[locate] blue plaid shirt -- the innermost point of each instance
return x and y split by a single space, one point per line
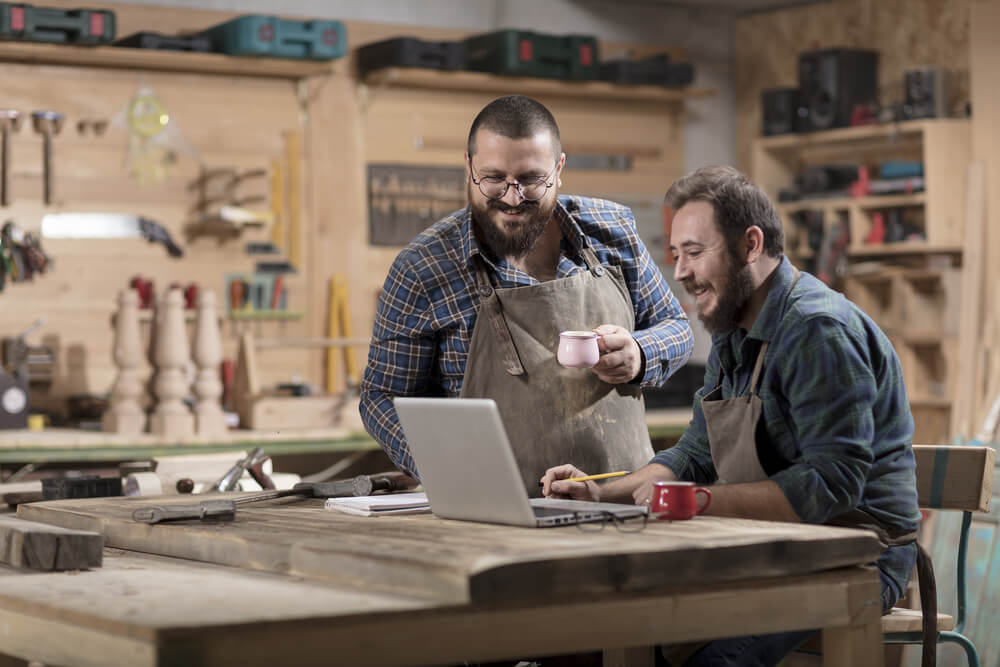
836 429
428 307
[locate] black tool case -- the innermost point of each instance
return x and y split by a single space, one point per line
157 42
19 21
653 71
410 52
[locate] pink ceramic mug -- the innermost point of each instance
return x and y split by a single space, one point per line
578 349
677 500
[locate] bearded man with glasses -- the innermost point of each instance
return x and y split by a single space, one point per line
473 307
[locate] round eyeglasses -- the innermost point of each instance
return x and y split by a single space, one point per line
588 522
530 189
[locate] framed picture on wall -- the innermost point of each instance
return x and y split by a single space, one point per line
405 199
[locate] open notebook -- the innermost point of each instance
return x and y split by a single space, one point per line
468 470
390 503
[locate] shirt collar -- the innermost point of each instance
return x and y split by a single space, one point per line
769 318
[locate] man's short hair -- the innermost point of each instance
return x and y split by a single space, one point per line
738 204
515 117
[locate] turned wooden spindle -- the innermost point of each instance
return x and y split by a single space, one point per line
207 353
125 414
171 418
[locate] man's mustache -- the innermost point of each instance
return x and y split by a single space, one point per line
523 207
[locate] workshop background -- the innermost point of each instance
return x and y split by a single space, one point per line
279 164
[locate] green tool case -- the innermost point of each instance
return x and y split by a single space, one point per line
525 53
28 23
256 35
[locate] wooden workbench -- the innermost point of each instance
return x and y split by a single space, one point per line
74 445
289 581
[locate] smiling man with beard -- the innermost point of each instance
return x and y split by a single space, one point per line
803 415
473 307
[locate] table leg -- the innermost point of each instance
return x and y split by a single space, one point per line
860 641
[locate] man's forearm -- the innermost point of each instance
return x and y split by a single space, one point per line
622 490
755 500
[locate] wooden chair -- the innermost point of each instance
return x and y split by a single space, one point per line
948 478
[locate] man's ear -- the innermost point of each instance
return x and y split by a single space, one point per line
468 166
754 240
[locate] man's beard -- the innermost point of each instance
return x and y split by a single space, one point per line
731 298
509 240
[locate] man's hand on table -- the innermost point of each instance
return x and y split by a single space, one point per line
553 487
636 487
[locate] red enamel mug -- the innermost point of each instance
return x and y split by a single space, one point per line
677 500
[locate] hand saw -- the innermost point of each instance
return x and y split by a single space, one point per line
107 226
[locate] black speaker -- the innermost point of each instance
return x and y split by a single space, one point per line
833 82
781 108
925 92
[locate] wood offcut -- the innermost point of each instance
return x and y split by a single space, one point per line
38 546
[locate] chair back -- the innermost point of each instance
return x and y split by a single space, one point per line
954 477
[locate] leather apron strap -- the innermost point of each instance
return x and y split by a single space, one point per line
731 424
927 584
491 308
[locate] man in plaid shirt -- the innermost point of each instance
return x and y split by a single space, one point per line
473 307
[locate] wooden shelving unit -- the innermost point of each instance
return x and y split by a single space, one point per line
154 60
911 129
918 308
414 77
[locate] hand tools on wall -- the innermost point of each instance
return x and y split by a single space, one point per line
225 510
10 121
107 226
48 124
293 160
21 255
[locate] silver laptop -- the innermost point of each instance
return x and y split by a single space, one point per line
468 469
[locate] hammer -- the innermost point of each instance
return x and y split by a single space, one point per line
48 124
10 121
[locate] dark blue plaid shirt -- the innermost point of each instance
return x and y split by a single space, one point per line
836 429
427 310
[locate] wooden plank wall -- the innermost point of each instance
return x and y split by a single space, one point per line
905 32
239 121
985 52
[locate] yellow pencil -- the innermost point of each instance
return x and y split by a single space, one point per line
603 475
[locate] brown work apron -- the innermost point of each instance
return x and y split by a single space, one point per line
732 426
556 415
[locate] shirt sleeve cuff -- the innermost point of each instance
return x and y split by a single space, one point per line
646 348
675 459
802 501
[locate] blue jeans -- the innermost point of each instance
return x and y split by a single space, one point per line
769 650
